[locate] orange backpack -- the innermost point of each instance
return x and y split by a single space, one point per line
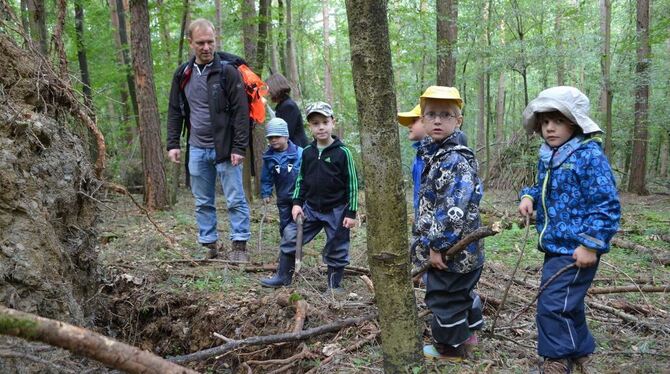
255 89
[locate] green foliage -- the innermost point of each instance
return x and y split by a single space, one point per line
11 325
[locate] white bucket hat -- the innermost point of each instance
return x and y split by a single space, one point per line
570 101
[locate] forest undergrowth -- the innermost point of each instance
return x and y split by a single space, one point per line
165 298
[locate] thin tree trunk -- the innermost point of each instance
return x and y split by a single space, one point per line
605 63
123 88
182 32
217 25
272 38
637 181
327 73
292 64
25 16
155 184
81 54
481 114
125 55
447 36
560 65
262 42
57 38
385 202
86 343
249 30
38 26
281 39
664 150
500 111
164 32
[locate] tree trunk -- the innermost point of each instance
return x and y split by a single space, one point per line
129 132
272 38
57 38
664 150
481 115
217 25
605 63
123 37
25 16
385 201
155 183
38 26
83 342
291 63
447 36
327 72
637 181
249 30
560 65
182 32
262 42
281 39
81 54
500 111
164 32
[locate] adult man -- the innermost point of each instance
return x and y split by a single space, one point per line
217 123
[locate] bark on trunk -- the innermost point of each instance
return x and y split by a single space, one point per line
123 88
155 184
281 39
83 342
38 26
125 56
637 181
560 65
263 25
182 32
385 201
164 32
447 35
217 25
249 30
605 63
481 115
81 54
500 111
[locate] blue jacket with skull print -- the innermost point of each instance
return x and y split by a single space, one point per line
448 204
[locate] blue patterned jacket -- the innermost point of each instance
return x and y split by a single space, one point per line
575 198
448 204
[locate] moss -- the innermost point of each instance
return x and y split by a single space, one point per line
294 297
11 325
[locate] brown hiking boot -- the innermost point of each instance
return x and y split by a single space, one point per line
583 364
555 366
212 250
239 252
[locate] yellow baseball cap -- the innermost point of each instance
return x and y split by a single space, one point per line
407 118
441 93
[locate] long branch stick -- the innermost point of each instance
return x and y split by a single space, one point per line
478 234
270 339
634 288
84 342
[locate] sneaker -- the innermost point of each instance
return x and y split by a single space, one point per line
555 366
583 364
443 352
470 345
239 252
212 250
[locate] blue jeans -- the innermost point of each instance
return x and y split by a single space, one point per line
204 170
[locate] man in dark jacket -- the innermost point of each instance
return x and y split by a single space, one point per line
208 99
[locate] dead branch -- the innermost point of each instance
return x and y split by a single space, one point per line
370 337
271 339
300 315
304 353
627 317
84 342
634 288
123 191
622 243
368 283
478 234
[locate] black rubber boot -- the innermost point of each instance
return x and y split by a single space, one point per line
284 274
335 276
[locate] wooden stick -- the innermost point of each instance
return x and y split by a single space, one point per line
370 337
368 283
478 234
270 339
84 342
300 315
634 288
627 317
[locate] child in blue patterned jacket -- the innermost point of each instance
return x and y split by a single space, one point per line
281 167
578 212
449 199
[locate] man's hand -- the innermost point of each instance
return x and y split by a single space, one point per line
174 155
349 223
437 260
584 257
236 159
296 211
526 207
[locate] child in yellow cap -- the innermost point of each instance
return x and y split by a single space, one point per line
412 120
449 199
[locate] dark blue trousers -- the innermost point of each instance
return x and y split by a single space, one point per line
336 251
451 298
561 320
285 216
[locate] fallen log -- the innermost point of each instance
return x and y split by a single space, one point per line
84 342
627 317
478 234
270 339
658 256
633 288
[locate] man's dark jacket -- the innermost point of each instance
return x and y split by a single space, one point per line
228 107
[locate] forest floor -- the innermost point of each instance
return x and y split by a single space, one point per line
165 299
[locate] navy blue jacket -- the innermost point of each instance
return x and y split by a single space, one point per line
280 169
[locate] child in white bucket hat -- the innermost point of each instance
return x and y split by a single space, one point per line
578 212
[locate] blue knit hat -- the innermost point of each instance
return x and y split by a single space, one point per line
276 127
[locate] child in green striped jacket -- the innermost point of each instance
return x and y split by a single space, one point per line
326 195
